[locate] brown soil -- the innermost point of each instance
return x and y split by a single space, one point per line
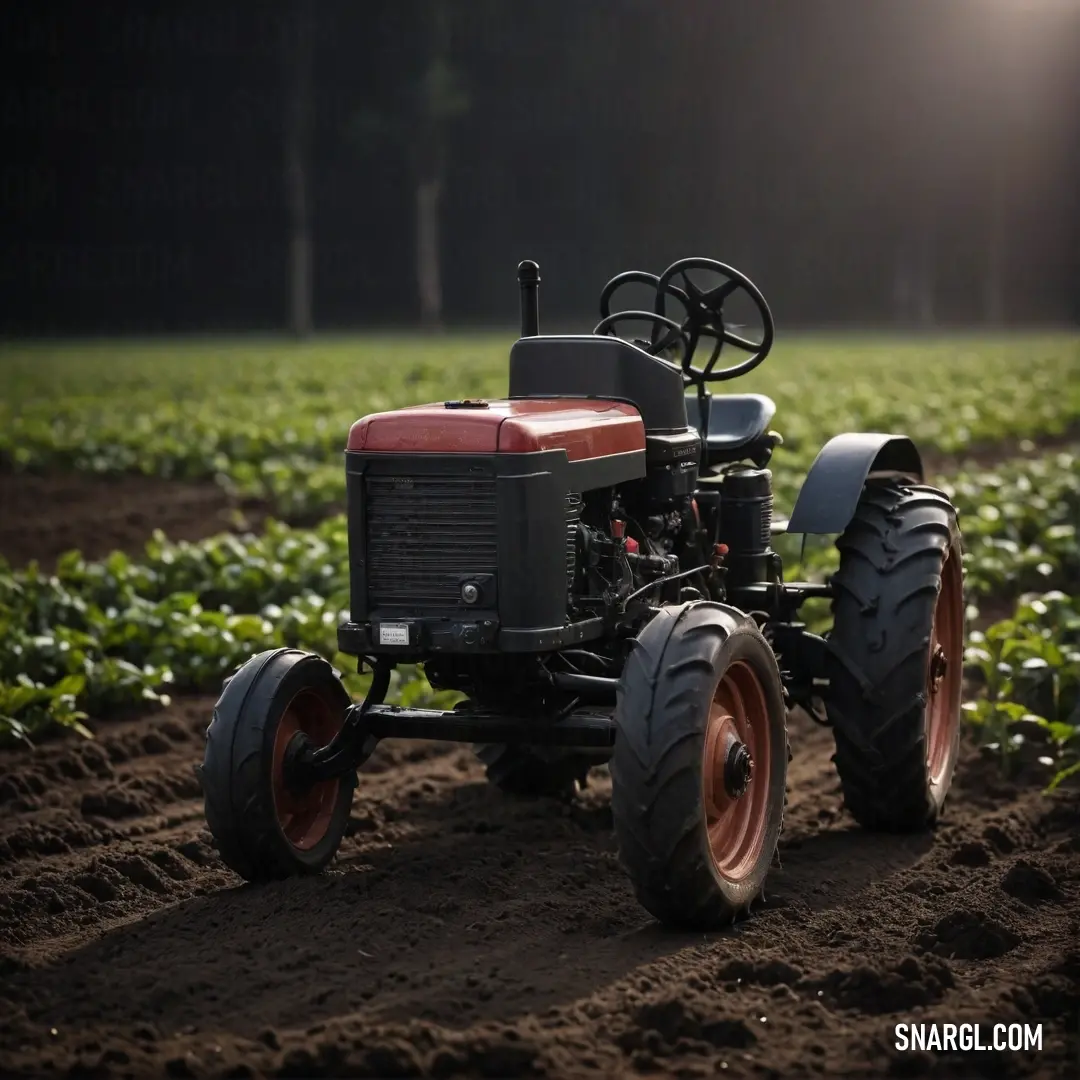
989 455
463 932
41 517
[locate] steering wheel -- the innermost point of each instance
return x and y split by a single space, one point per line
705 317
637 277
658 342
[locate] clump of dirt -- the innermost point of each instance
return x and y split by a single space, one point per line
896 988
1003 837
760 972
972 853
113 802
968 935
673 1025
1031 883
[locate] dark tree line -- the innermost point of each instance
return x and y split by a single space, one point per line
189 166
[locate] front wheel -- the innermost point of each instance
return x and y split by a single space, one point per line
895 656
700 764
264 827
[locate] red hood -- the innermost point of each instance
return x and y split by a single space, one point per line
584 428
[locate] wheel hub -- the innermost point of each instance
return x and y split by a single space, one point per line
304 805
295 765
738 770
939 666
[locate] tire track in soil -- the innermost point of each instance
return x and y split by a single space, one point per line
462 931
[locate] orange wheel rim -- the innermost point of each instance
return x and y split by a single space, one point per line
944 672
738 722
304 817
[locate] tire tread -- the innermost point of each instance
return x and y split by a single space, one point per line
891 561
656 768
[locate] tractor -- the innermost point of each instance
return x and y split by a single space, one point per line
588 561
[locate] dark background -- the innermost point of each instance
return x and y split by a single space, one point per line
867 162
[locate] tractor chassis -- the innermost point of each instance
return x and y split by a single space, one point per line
586 724
366 725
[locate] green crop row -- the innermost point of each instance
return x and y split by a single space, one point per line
1020 524
265 419
269 419
94 637
1026 674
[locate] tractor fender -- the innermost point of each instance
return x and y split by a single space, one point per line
831 490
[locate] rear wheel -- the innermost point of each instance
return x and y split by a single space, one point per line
700 764
895 656
264 827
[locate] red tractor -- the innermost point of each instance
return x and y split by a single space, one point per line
588 561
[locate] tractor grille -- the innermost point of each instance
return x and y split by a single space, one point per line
423 534
574 506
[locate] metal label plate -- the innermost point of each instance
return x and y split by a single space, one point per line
393 633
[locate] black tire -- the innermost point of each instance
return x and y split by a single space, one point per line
679 662
238 768
534 770
899 555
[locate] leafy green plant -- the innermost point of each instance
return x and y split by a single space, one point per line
1027 672
27 706
1020 524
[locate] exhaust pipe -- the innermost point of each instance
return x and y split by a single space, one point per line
529 280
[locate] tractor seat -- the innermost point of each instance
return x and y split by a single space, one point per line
735 422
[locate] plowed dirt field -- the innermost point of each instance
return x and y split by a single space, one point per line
464 932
